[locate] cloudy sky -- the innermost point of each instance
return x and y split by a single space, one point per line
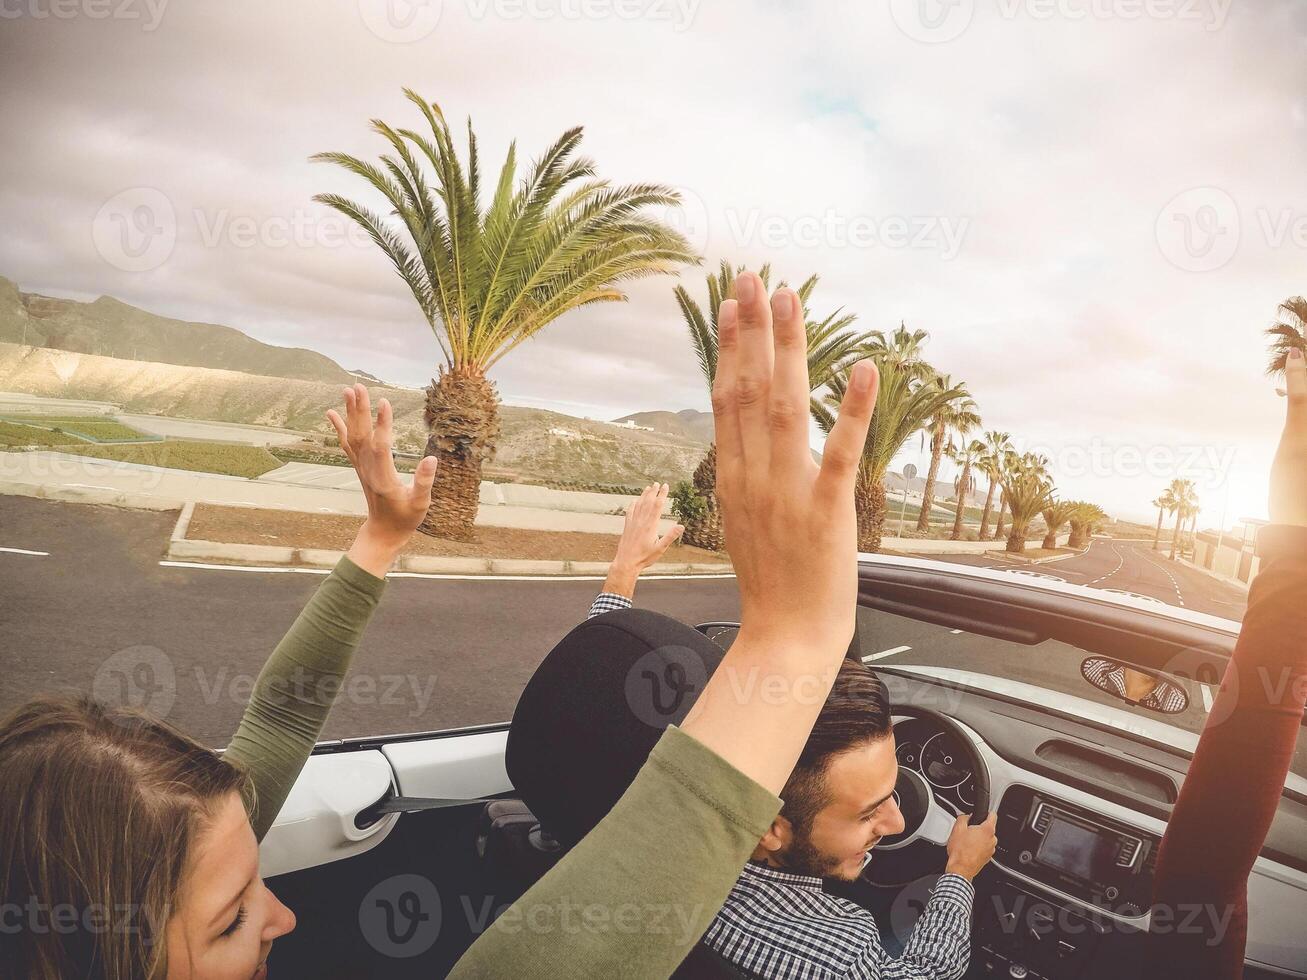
1094 206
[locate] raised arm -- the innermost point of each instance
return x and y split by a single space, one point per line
791 532
639 547
300 681
666 855
1236 778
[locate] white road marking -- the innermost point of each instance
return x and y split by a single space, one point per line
1207 697
1174 584
24 551
1120 562
883 654
955 631
467 578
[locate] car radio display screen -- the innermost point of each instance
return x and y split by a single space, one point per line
1076 850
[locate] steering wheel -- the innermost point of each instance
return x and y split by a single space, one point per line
924 818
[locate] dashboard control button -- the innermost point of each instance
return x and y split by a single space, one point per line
1017 971
1112 892
1025 857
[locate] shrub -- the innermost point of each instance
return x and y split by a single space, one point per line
687 505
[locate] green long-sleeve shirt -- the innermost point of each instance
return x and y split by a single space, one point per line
298 685
629 901
634 896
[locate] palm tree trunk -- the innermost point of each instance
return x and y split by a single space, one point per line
1175 536
1157 535
928 491
463 416
962 501
1002 513
869 500
707 532
1050 539
1016 540
984 516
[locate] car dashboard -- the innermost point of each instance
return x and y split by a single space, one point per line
1081 812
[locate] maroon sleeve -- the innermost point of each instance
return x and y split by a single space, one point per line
1236 777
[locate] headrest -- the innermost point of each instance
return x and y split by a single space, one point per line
595 708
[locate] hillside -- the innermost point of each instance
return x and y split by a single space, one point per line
687 423
108 326
536 445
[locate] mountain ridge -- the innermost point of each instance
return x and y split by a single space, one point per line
107 326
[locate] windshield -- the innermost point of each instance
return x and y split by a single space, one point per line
1044 675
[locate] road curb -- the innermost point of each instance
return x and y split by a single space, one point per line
89 495
275 556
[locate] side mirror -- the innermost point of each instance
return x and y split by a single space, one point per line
1138 687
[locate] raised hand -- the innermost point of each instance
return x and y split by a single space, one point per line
395 508
790 530
640 545
790 525
1288 500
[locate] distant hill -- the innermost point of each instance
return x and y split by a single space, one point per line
687 423
113 328
535 444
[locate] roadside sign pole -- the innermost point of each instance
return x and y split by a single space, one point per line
909 472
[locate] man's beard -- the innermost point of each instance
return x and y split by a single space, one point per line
802 858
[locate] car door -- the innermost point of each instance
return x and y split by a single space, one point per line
395 895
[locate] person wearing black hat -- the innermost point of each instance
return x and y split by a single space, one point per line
638 887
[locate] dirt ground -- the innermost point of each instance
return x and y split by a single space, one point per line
245 525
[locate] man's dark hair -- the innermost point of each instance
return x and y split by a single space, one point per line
857 711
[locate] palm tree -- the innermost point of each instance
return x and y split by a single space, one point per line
903 406
997 444
958 416
1288 332
1165 503
1056 514
902 346
1006 463
968 457
1029 491
1186 502
489 278
1084 519
831 348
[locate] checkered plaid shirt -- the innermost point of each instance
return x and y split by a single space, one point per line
1166 697
608 602
783 926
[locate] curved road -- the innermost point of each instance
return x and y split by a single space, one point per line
86 606
1132 566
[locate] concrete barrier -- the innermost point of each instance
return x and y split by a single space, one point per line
89 495
219 551
182 549
317 557
546 498
943 546
435 565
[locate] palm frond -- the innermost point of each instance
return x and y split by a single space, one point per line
488 276
1289 332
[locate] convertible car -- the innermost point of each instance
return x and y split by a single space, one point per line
1071 711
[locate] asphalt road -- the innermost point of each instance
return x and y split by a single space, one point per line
95 610
439 653
1132 566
